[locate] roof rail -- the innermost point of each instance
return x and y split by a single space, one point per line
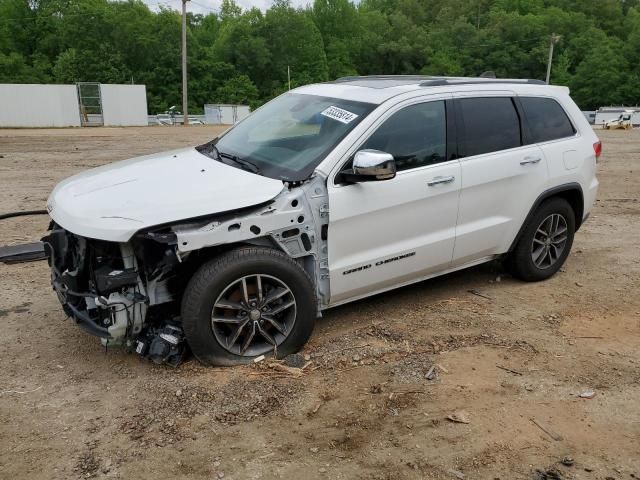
382 77
436 81
472 81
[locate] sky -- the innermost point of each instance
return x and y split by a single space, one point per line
207 6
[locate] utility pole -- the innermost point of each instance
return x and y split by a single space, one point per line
184 64
289 76
554 39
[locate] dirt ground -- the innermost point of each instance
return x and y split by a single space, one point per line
514 361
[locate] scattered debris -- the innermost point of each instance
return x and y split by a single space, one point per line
442 368
407 392
477 293
314 449
296 372
459 416
432 374
258 359
567 461
587 394
549 432
295 360
456 473
315 410
28 252
515 372
578 284
377 388
19 392
550 474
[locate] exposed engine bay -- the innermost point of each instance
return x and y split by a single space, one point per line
129 294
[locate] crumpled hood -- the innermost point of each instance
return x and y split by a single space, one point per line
114 201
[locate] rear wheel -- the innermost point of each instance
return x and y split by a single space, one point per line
545 243
246 303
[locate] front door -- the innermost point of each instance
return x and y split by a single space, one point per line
390 232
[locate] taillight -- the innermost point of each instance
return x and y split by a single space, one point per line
597 149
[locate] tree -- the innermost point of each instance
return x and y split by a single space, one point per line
601 77
240 90
86 66
295 44
117 41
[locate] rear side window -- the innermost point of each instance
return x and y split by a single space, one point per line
547 120
491 124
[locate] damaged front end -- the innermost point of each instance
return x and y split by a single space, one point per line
130 293
104 288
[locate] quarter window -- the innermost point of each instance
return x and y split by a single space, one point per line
491 124
546 119
416 136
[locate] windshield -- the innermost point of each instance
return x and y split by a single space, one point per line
289 136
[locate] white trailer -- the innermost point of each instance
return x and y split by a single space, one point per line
225 114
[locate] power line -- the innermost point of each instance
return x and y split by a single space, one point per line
211 9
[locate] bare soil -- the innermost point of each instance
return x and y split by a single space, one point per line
512 363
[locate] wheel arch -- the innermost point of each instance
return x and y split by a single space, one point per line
571 192
199 257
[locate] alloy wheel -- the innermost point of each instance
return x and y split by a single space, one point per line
253 315
549 241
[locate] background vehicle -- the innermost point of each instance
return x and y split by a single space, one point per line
328 194
622 122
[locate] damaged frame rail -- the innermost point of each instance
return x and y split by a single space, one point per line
25 252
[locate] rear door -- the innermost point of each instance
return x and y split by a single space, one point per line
501 175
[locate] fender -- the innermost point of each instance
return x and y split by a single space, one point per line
567 191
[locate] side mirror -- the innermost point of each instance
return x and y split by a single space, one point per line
371 165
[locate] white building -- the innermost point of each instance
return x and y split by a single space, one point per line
83 104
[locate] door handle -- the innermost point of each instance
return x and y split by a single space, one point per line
439 180
530 160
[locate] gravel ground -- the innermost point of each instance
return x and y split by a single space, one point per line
385 372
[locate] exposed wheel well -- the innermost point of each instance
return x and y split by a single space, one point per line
574 197
572 193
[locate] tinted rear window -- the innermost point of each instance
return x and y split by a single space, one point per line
546 118
490 124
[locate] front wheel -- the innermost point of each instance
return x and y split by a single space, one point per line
245 303
545 242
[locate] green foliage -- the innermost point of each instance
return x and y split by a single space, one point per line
246 56
238 90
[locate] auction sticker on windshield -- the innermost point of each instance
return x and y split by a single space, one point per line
339 114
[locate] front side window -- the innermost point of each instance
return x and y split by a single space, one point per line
416 135
546 118
491 124
289 136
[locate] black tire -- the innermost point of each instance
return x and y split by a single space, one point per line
216 276
520 261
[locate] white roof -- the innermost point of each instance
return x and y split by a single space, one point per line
378 89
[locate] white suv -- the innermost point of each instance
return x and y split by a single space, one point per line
325 195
